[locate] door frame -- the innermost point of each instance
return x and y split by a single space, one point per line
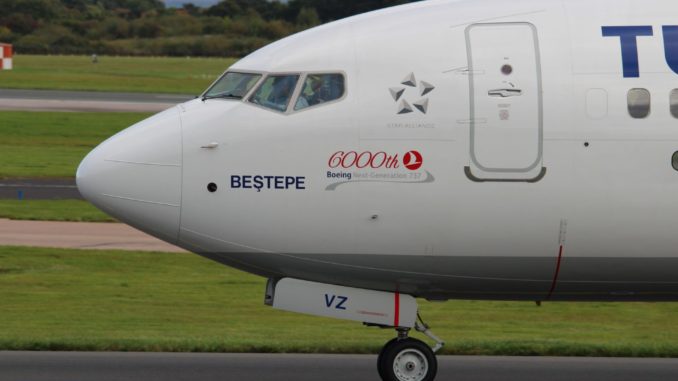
540 114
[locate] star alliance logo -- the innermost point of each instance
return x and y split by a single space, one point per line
404 106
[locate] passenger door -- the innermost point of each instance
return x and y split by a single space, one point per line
506 124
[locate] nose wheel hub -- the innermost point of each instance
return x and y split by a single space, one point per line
410 365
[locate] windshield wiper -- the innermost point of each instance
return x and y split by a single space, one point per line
224 96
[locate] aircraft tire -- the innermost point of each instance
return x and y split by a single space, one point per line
408 360
380 358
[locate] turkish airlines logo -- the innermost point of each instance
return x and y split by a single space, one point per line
412 160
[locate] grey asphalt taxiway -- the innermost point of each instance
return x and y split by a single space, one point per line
57 100
39 189
79 366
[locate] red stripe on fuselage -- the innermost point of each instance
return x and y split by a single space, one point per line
396 314
555 276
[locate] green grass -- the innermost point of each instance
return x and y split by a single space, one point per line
128 74
52 210
52 144
107 300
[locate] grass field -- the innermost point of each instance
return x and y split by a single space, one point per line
52 144
108 300
127 74
52 210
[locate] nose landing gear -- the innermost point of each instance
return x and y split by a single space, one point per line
401 359
408 359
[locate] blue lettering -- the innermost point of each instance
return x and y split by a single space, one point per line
671 46
258 183
279 182
235 182
268 182
339 175
289 181
629 45
342 300
328 300
247 182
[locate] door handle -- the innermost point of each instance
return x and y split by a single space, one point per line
505 93
212 145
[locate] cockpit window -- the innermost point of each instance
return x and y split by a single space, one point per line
275 92
320 88
232 85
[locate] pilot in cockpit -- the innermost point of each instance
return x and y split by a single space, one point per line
312 93
282 90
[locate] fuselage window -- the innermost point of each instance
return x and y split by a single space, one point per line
320 88
232 85
275 92
638 103
674 103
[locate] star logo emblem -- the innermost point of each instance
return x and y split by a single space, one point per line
423 89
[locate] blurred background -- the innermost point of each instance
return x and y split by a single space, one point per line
199 28
71 278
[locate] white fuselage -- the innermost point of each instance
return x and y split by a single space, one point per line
482 149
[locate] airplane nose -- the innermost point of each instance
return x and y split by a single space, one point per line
135 176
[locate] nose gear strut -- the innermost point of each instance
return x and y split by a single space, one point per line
407 359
